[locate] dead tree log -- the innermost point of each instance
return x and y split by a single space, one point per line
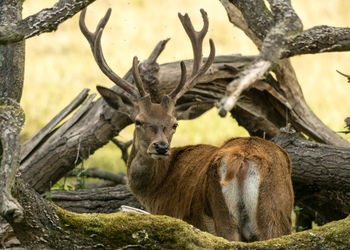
100 200
320 177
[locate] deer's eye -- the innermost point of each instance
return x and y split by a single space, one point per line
138 123
175 125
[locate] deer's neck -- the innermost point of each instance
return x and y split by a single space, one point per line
144 173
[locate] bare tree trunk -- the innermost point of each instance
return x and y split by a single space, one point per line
12 55
11 114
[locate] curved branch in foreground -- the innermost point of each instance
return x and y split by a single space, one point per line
46 20
140 230
49 227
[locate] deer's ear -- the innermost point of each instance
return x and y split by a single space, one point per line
111 97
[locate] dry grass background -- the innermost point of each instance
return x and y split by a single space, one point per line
60 64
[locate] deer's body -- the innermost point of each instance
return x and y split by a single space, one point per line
240 191
219 189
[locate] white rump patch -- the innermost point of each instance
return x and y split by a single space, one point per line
231 194
250 192
242 204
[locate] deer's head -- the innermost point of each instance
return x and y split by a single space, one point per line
155 122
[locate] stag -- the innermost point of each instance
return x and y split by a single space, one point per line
241 191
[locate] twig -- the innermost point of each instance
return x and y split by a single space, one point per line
97 173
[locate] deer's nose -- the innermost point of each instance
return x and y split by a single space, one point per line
161 147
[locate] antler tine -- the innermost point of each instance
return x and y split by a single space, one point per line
89 35
346 75
94 40
182 82
197 41
137 78
196 37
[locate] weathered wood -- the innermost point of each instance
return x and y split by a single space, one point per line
318 165
286 23
11 113
11 124
256 20
29 145
11 56
320 177
99 200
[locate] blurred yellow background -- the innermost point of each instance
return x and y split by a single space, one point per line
59 64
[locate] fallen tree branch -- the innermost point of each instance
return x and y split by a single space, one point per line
287 23
30 144
99 200
256 20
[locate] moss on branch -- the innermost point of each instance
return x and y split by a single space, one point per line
119 230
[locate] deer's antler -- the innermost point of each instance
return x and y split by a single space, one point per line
94 39
196 38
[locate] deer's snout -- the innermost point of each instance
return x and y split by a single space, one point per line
161 147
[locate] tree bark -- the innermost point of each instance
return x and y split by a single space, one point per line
256 20
46 20
100 200
11 56
320 177
11 114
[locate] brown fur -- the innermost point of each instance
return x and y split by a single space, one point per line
188 182
187 186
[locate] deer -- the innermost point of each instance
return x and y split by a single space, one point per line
241 191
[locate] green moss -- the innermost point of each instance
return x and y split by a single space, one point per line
148 231
162 232
334 235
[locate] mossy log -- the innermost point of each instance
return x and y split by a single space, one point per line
46 226
133 230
